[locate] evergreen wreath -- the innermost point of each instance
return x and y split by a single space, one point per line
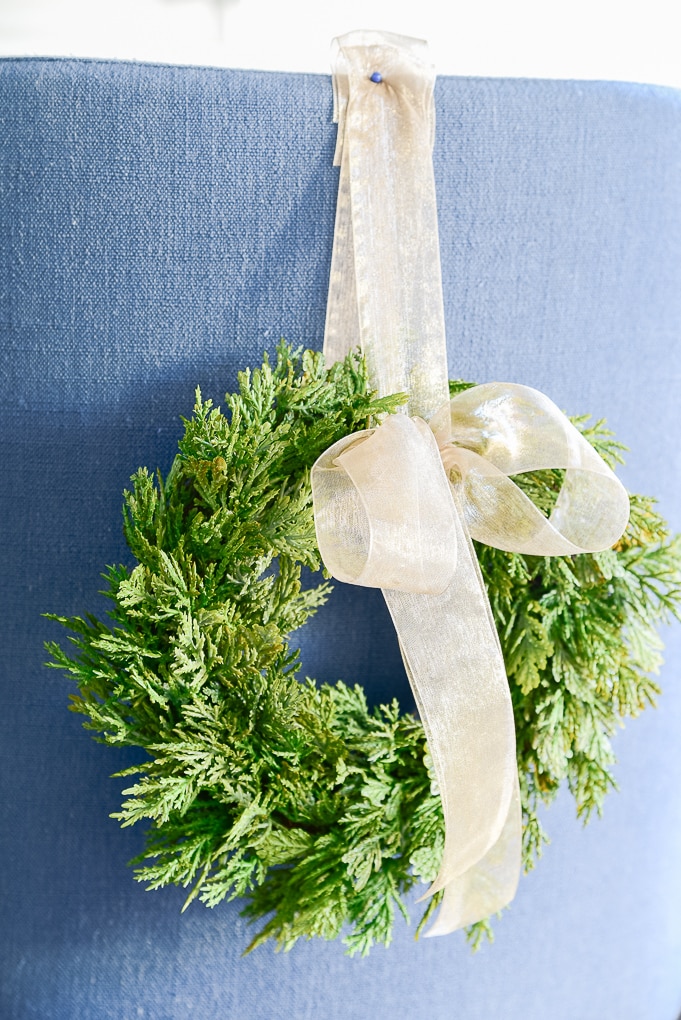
321 810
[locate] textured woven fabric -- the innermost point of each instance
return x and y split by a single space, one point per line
159 228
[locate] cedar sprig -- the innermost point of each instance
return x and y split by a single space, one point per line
318 808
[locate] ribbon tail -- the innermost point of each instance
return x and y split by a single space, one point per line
456 669
490 884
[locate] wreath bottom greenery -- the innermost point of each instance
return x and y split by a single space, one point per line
321 810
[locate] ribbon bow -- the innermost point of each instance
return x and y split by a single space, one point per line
395 507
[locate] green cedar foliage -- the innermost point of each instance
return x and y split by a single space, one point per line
318 809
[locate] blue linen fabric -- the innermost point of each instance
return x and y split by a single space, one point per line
160 227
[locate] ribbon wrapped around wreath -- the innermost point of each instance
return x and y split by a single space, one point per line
396 506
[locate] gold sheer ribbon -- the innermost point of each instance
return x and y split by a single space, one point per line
395 507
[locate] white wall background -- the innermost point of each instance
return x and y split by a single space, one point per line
606 39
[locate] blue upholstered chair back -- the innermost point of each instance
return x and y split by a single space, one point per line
160 227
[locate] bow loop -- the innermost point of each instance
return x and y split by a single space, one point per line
384 512
491 432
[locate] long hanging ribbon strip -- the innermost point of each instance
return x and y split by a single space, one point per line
395 506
